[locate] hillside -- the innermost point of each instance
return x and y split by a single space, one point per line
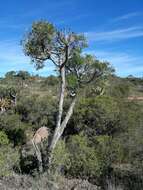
103 139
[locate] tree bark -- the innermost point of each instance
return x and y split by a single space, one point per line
61 102
59 131
61 99
61 125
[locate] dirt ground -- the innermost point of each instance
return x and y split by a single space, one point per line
28 183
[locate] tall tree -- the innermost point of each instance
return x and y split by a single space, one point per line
64 49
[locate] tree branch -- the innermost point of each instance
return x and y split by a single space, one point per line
66 56
54 61
95 75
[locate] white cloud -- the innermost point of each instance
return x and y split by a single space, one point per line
74 18
127 16
12 58
115 35
124 63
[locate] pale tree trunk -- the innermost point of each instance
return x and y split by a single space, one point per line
61 98
59 131
61 102
61 125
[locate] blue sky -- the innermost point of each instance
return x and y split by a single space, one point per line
114 29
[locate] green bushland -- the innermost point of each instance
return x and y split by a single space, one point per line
105 131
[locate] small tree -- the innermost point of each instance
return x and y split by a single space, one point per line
64 49
10 75
23 75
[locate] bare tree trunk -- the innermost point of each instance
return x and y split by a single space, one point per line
61 102
59 131
61 125
61 99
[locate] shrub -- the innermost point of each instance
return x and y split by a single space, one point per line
9 157
3 138
97 116
14 128
60 160
108 149
84 160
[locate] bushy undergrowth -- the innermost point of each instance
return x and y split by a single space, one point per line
103 132
9 157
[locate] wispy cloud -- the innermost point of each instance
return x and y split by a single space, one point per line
71 19
6 23
12 58
124 63
115 35
127 16
21 19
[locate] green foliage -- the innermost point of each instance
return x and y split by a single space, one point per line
23 75
9 159
10 75
132 123
72 81
14 128
97 115
82 70
84 159
3 139
39 40
37 110
111 126
45 42
3 92
119 88
60 157
50 81
109 149
7 91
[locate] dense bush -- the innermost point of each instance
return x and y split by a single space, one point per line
96 116
9 160
3 138
85 162
60 159
37 110
14 128
9 157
